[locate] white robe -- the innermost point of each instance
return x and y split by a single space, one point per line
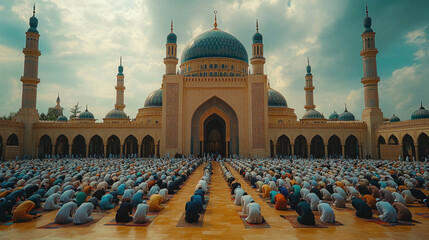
141 213
83 213
254 213
64 215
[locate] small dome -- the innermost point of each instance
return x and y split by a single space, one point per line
116 113
346 116
62 118
334 116
171 38
120 70
312 114
276 99
367 24
394 118
33 24
86 115
214 44
257 38
154 99
420 113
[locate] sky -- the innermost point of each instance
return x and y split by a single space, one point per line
81 42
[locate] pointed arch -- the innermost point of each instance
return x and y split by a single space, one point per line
45 146
283 146
393 140
79 146
62 146
380 141
113 146
12 140
334 147
1 147
96 147
271 148
423 146
301 147
351 147
317 147
130 146
148 146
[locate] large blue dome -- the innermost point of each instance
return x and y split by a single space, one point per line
347 116
62 118
154 99
276 99
214 43
420 113
116 113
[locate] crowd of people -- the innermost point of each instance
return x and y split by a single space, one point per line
308 185
78 187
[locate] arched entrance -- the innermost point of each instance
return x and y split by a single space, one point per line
130 146
214 135
317 147
334 147
380 142
393 140
148 146
62 147
113 146
351 147
300 147
283 146
96 147
423 142
408 147
226 118
12 140
1 147
79 146
45 146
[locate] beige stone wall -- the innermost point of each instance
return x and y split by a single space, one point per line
8 128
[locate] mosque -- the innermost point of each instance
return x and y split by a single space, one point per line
215 102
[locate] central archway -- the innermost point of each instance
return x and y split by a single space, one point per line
215 135
225 112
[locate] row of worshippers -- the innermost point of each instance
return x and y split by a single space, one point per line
78 186
195 206
241 198
334 181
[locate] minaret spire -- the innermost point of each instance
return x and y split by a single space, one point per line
34 9
257 26
120 61
215 22
171 27
366 7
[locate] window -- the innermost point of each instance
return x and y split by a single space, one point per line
215 66
211 74
215 74
205 66
211 66
223 66
232 67
220 74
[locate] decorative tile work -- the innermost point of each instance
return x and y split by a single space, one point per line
258 131
172 118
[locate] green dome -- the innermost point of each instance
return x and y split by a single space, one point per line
214 43
312 114
171 38
420 113
334 116
116 113
276 99
154 99
346 116
257 38
394 118
86 115
62 118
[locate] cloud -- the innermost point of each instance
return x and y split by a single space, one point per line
417 36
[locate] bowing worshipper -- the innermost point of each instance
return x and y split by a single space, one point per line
65 214
304 192
375 192
272 196
124 212
83 213
121 189
67 196
137 198
363 210
404 214
352 192
94 202
36 198
317 192
22 212
234 186
326 212
313 200
245 200
128 194
141 213
203 185
293 200
266 191
387 211
200 192
306 216
326 195
198 200
164 192
15 196
254 215
284 191
338 200
80 198
370 201
386 195
281 202
409 198
238 194
155 203
398 197
99 193
5 211
106 202
52 203
51 191
340 191
153 190
191 211
418 194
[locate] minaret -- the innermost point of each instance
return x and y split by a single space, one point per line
372 114
309 88
58 101
120 88
258 59
28 113
170 59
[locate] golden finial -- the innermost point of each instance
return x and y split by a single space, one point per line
215 23
171 25
257 26
269 84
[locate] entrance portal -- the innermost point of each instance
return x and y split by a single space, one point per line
214 135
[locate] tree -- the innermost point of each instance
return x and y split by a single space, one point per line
11 116
75 110
42 117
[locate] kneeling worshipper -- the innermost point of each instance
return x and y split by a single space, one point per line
387 212
245 200
281 202
326 211
137 198
52 203
200 192
266 191
272 196
313 200
124 211
5 211
80 198
306 216
404 214
36 198
254 213
141 213
362 208
198 200
155 203
370 200
67 196
238 194
191 212
106 202
64 215
83 213
338 200
22 212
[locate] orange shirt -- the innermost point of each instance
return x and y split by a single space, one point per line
370 200
281 202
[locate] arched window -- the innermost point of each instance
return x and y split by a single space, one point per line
211 74
232 67
215 74
223 66
211 66
220 74
205 66
215 66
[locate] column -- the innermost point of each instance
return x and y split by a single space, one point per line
308 151
416 148
292 149
360 151
343 150
105 151
70 150
121 151
37 151
87 151
227 149
139 150
53 149
326 151
274 150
